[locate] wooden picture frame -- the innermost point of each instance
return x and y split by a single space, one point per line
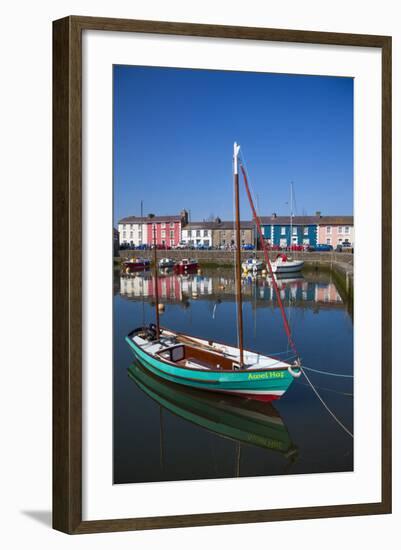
67 273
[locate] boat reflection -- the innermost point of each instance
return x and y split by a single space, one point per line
241 420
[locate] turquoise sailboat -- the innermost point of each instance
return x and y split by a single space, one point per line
211 365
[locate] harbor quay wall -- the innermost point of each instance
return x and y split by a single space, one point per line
226 257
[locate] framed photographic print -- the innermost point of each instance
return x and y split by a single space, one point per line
222 274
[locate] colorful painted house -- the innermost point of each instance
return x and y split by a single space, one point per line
279 231
307 230
165 230
336 230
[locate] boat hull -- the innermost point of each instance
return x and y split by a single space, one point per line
288 267
135 266
187 268
263 385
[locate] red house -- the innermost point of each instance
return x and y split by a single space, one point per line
166 229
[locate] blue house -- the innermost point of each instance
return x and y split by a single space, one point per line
278 230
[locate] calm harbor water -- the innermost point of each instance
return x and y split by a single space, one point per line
166 432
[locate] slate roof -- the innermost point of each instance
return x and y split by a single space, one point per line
307 220
146 219
223 225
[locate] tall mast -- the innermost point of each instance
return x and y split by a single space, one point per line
238 258
156 284
291 216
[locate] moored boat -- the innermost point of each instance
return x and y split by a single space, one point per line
165 263
136 264
252 264
284 264
186 265
209 365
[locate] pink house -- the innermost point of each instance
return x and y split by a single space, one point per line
335 230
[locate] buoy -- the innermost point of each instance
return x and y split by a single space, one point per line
127 270
264 271
199 271
194 295
161 308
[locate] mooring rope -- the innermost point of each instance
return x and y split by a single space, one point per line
326 406
329 373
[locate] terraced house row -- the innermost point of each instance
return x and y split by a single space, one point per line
177 230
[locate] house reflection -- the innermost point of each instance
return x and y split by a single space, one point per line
179 288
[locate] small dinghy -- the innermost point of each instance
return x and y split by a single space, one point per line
252 265
165 263
136 264
186 265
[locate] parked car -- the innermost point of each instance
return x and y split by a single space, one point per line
344 246
247 247
323 248
295 247
308 248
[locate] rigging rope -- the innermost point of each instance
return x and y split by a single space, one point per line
268 263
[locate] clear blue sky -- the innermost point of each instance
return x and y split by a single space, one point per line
174 131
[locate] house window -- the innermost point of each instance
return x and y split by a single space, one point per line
328 240
340 229
223 234
171 235
205 232
164 225
294 230
198 232
305 230
163 233
346 229
328 230
283 230
172 225
124 234
131 234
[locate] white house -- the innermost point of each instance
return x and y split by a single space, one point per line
197 234
132 231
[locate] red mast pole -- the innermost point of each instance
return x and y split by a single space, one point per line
268 263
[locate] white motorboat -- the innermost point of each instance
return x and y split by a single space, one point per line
284 264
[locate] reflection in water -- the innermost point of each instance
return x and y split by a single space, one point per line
241 420
164 432
178 288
